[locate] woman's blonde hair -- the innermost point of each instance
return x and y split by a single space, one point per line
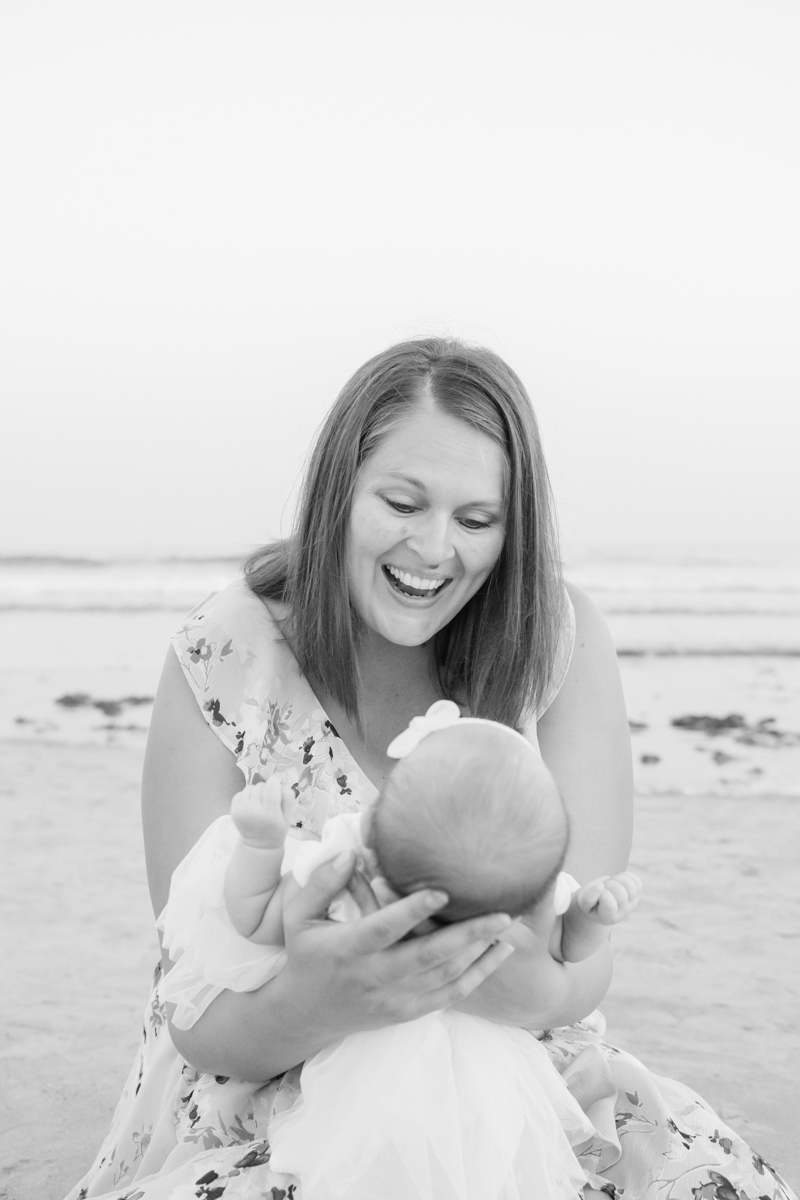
496 655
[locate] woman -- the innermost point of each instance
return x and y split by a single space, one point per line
423 565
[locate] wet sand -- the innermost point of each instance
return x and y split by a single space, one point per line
706 987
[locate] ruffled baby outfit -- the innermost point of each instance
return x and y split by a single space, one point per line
445 1107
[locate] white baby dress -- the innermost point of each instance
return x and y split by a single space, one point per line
445 1107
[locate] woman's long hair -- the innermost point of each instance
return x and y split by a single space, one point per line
496 655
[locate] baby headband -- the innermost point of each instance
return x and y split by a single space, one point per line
441 715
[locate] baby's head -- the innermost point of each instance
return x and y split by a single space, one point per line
474 811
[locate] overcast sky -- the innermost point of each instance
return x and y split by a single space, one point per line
212 213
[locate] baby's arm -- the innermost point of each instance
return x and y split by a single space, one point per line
254 871
603 902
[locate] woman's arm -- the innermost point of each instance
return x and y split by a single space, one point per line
585 742
337 979
189 779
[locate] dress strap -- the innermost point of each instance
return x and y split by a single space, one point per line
223 645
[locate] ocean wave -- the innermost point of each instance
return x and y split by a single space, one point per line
44 561
789 651
666 610
176 604
720 793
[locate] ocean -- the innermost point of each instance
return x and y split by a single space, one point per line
708 643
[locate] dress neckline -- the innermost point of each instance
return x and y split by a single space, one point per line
368 789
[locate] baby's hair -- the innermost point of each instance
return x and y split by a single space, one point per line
474 811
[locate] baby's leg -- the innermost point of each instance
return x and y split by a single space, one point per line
594 907
254 870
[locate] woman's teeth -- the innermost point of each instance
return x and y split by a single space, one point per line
405 580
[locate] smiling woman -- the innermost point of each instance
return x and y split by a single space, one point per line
423 567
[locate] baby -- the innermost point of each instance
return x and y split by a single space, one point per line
448 1105
472 811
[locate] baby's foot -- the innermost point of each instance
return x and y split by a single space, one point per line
257 813
610 898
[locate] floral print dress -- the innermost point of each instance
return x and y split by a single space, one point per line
181 1134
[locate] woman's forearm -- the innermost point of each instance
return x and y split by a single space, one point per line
341 978
254 1035
534 991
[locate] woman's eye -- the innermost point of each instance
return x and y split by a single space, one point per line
400 507
475 523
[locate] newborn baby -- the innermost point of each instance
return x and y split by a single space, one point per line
470 810
450 1104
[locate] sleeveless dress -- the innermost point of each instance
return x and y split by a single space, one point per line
182 1134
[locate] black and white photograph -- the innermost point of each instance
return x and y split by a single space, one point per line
400 600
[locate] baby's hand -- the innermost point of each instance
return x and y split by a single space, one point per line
610 898
257 813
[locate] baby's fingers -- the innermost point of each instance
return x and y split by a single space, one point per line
632 885
590 893
626 888
619 898
607 910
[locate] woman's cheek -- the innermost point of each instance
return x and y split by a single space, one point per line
480 558
367 533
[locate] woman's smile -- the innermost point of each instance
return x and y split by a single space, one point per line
414 587
427 525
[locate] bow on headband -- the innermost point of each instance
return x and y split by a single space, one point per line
440 715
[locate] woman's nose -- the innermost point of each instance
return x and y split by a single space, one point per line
432 540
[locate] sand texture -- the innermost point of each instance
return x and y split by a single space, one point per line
706 987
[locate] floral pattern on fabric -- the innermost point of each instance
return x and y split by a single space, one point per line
180 1134
250 700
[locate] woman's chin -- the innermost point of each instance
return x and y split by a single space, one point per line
400 634
403 628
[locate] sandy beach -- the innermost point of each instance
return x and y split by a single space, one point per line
706 986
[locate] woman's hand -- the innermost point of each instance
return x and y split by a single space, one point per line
341 978
536 991
378 975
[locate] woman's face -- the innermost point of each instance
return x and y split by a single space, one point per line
426 526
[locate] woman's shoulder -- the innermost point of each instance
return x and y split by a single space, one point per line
238 609
228 645
590 632
254 696
585 648
236 617
580 601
